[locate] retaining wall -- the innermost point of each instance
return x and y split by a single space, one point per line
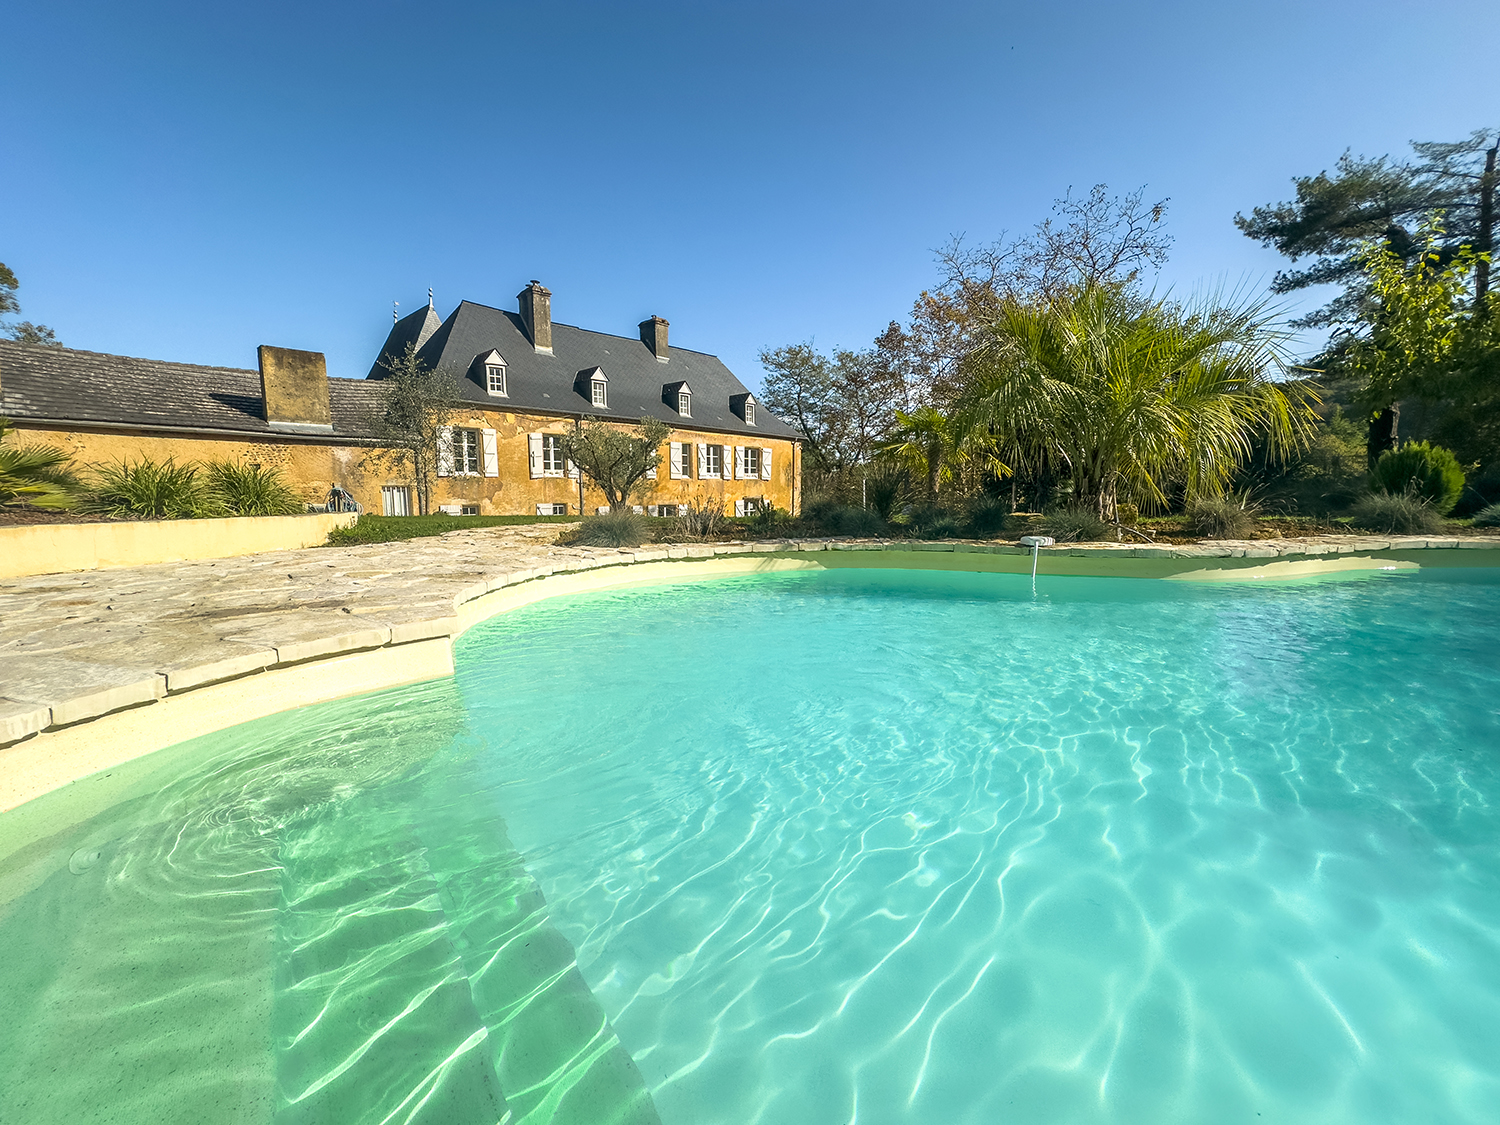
58 548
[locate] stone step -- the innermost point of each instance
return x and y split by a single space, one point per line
557 1057
372 1017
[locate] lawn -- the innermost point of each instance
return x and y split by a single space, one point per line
389 529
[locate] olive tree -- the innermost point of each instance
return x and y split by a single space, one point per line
413 407
616 459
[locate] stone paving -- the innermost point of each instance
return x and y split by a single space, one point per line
77 646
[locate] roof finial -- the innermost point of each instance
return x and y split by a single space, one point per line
429 296
395 315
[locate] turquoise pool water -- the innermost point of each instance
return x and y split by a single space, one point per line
874 847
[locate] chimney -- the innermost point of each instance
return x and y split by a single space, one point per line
294 390
654 336
536 314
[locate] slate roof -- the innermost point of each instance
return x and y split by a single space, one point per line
548 383
66 385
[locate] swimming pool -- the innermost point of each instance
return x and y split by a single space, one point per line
873 846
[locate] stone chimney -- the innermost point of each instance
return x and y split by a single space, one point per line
654 336
294 390
536 314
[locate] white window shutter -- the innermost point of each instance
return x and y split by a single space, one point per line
727 459
702 460
679 456
603 511
445 451
739 460
765 463
739 506
490 444
534 447
651 509
572 469
540 512
637 509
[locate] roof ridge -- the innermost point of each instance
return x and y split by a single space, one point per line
54 349
581 328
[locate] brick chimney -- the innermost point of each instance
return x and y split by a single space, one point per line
294 390
536 314
654 336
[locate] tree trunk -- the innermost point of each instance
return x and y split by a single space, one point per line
1384 428
1485 243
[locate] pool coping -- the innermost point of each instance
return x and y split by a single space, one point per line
92 727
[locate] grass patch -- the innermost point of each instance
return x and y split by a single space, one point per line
390 529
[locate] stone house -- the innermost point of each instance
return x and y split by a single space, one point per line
522 380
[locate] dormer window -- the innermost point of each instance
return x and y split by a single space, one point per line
679 397
593 384
488 370
743 406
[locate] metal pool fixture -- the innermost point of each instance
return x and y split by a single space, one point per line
1036 543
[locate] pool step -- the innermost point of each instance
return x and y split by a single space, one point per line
373 1019
419 978
556 1055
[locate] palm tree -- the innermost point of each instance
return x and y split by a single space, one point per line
35 476
928 443
1129 394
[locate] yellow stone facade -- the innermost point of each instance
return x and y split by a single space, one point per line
314 465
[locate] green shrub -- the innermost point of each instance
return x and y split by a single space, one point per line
1488 517
861 522
1395 515
934 522
1425 472
1074 525
611 529
767 521
887 490
35 476
151 490
987 517
700 519
829 517
250 490
1220 517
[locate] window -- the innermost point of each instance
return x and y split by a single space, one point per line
685 404
751 467
465 446
395 500
749 413
713 460
754 504
552 455
664 510
469 510
601 397
494 378
551 509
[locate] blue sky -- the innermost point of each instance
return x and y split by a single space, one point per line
187 181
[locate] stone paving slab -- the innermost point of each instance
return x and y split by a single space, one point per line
75 646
